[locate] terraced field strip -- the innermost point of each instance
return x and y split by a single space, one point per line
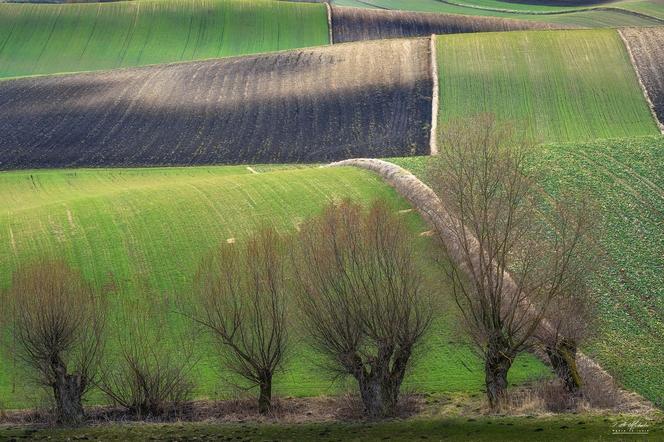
44 39
611 14
624 179
355 24
561 85
646 48
318 104
150 228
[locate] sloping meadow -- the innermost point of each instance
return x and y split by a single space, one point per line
313 105
567 85
45 39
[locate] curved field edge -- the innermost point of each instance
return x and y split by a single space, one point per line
562 85
623 177
646 50
149 228
44 39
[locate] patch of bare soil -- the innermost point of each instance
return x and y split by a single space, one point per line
356 24
646 47
313 105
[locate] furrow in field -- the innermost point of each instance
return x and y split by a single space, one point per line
318 104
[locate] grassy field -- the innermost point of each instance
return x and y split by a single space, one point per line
591 18
43 39
150 227
624 178
563 85
560 428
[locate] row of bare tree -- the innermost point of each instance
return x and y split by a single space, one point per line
350 271
521 262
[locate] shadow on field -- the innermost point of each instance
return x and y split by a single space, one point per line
321 104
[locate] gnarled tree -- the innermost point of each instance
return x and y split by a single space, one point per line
58 322
361 294
514 247
241 297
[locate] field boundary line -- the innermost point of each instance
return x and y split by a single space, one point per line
329 22
433 60
644 90
427 203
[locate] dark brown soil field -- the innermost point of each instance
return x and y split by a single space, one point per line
647 49
357 24
320 104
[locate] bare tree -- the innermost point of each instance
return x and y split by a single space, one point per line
570 321
150 372
515 249
241 298
58 323
361 294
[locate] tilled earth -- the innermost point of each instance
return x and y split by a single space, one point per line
319 104
355 24
647 48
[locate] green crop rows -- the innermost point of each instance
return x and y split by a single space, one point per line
150 227
43 39
624 179
563 86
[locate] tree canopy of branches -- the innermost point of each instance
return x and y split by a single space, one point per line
58 324
362 297
241 297
518 252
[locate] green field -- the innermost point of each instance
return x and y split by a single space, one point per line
562 85
625 179
44 39
150 227
617 15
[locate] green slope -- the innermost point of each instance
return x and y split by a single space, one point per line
624 178
150 227
586 16
563 85
42 39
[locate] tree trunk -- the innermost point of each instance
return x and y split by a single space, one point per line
380 395
563 361
265 398
496 366
67 390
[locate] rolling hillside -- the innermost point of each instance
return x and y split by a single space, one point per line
624 179
564 85
150 227
590 14
44 39
355 24
312 105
